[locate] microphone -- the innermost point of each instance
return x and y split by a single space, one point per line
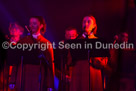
84 34
28 30
116 37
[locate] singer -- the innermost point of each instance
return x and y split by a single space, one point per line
37 68
80 76
16 32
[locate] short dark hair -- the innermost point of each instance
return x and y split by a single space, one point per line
42 21
70 28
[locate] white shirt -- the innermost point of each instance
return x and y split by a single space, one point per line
36 35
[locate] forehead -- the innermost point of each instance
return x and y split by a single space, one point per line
34 20
87 18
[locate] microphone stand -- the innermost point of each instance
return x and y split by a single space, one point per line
89 64
86 36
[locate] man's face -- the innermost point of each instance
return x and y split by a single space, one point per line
88 24
34 25
71 34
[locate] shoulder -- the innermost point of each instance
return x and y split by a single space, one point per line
44 40
93 37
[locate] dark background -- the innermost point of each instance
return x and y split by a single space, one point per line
113 16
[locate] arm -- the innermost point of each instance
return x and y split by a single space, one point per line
50 69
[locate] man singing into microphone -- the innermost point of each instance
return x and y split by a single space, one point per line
37 73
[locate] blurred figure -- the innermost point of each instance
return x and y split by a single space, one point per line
122 64
16 31
127 65
71 33
122 37
63 63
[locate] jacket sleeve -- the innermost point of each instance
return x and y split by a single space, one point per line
50 69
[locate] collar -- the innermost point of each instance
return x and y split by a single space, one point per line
85 35
36 35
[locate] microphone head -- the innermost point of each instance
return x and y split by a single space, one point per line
27 28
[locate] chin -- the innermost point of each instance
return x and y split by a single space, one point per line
87 31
